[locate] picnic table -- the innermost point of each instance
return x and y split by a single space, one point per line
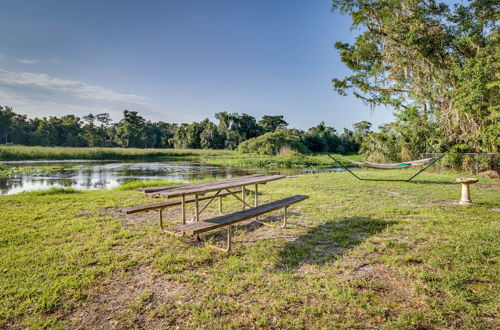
219 188
214 189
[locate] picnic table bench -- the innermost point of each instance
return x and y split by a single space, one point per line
217 188
229 220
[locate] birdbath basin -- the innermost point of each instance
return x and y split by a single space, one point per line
466 182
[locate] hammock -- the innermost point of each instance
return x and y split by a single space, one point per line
427 162
393 166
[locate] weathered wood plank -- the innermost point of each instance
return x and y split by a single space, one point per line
198 186
147 190
229 219
150 207
221 186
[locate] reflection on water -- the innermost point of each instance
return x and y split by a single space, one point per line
100 175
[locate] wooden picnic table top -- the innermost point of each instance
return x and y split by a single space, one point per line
200 188
148 190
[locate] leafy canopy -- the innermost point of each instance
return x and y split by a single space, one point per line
442 61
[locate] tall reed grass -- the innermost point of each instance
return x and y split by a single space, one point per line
216 157
55 153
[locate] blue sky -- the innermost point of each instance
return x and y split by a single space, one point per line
177 60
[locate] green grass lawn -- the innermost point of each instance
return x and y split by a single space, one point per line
355 255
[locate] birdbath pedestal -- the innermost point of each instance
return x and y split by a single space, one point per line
465 200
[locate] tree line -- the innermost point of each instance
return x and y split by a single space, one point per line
134 131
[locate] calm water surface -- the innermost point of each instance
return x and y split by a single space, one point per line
111 174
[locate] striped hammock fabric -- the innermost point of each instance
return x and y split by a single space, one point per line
393 166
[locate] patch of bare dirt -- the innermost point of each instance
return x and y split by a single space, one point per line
393 193
387 282
142 218
110 306
449 203
488 186
85 214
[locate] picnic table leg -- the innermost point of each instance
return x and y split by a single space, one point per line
243 197
256 198
196 208
183 198
166 230
284 217
229 234
197 211
229 239
220 205
256 195
161 219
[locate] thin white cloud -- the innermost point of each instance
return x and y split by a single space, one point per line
28 60
39 94
81 90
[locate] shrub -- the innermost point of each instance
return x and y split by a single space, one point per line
455 159
271 143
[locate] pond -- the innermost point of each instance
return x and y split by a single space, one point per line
85 175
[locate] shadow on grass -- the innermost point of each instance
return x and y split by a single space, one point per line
329 241
432 182
276 220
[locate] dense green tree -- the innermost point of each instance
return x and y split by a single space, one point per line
166 132
21 130
347 143
6 121
70 132
180 139
440 60
48 131
322 138
361 130
210 138
236 128
149 135
273 143
187 136
128 130
272 123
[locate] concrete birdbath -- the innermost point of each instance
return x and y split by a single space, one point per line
465 200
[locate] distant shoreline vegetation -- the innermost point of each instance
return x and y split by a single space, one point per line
215 157
20 152
134 131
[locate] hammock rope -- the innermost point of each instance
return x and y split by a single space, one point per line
426 162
